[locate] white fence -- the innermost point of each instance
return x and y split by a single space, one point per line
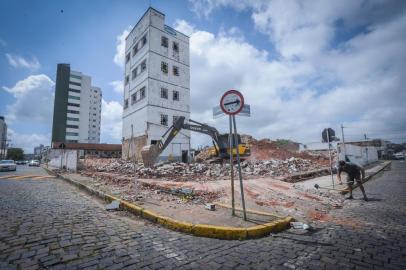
67 159
361 155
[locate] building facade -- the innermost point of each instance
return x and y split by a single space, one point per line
3 137
38 150
156 86
77 107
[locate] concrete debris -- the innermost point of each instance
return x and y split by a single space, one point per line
177 171
210 206
114 205
299 225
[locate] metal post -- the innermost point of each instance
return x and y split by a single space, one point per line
230 142
366 147
345 150
133 159
239 168
329 153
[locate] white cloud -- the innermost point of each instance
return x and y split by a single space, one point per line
111 127
27 141
184 27
314 79
34 100
17 61
119 57
118 86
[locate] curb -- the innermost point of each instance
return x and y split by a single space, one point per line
202 230
367 178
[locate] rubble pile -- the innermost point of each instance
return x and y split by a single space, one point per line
177 171
276 167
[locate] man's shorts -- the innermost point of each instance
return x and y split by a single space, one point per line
351 178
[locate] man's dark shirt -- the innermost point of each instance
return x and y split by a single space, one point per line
351 169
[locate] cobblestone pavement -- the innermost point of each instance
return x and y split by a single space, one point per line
49 224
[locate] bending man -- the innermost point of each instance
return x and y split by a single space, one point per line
354 172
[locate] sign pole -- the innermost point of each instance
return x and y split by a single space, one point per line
230 140
239 168
329 153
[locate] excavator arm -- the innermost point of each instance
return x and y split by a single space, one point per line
149 153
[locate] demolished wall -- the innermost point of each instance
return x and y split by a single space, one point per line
132 147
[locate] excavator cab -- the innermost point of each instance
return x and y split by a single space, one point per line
243 149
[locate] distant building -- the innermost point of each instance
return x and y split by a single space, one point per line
3 137
156 86
38 150
317 146
77 107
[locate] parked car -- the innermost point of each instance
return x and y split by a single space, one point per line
34 163
7 165
399 155
21 162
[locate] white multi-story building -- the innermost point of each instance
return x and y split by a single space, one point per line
156 86
77 107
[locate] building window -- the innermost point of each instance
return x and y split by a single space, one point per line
127 58
72 119
164 67
73 105
93 126
175 71
75 83
72 134
71 111
164 42
164 119
175 118
135 49
175 95
75 76
127 79
72 126
133 98
74 90
134 73
144 40
142 93
164 93
73 97
126 103
175 47
144 65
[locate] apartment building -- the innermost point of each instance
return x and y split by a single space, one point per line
156 86
3 137
77 107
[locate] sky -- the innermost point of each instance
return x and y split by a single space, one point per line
302 65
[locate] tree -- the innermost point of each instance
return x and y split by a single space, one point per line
15 153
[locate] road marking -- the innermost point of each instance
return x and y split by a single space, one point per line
19 177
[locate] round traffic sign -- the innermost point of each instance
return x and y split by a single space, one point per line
232 102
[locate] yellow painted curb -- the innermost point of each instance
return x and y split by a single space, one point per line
151 216
220 232
136 210
175 225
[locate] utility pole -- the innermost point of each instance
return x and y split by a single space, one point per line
366 146
342 135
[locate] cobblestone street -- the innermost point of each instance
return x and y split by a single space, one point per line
47 223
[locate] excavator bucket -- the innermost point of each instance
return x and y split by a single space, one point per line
149 153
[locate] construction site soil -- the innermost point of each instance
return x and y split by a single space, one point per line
169 187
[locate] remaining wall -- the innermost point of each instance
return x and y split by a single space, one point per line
137 144
66 158
361 155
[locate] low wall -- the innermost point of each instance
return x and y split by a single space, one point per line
361 155
59 158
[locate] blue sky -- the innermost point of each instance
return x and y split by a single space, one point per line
303 65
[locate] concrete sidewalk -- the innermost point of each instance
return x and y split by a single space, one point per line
327 182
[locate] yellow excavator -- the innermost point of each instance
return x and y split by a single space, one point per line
221 148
